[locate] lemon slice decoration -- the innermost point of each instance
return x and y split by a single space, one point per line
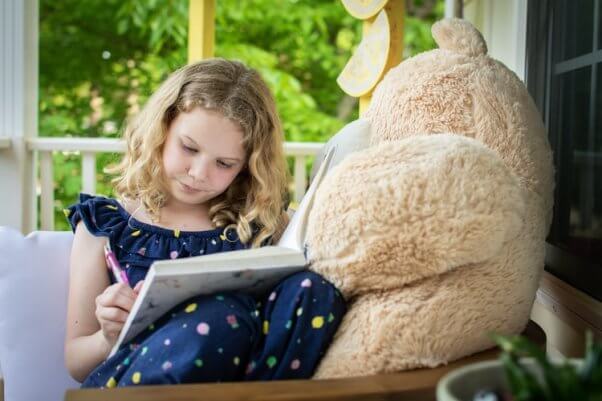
367 65
363 9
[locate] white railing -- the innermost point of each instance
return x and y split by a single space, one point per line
90 147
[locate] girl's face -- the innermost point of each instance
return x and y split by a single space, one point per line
203 153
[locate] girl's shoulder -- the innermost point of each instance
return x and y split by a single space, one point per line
107 217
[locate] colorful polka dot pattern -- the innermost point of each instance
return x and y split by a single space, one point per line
202 334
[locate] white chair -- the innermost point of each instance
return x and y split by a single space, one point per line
34 276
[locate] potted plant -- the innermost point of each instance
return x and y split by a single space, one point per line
524 373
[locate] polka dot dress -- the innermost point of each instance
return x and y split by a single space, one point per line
211 338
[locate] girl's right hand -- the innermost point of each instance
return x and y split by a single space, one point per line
113 306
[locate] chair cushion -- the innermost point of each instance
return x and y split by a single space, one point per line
34 276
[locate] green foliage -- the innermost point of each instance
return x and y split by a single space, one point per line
101 59
561 381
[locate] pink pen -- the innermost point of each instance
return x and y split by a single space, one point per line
114 265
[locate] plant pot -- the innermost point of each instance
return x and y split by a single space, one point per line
463 383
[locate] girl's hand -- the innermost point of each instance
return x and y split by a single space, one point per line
113 307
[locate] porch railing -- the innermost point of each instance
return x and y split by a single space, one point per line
90 147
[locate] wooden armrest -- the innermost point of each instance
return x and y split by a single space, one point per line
415 385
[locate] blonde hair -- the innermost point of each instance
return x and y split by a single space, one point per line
254 203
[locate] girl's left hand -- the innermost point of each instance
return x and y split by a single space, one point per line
138 286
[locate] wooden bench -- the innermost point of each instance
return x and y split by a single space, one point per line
415 385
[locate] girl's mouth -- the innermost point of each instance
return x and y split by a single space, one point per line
188 188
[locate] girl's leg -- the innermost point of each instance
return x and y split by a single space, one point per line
299 319
205 339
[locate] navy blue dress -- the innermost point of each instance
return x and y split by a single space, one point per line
210 338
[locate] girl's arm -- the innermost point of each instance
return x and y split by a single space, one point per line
96 311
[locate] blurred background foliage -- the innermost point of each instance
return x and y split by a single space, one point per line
101 59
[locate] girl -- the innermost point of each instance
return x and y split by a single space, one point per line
204 172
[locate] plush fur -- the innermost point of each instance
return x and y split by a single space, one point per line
435 234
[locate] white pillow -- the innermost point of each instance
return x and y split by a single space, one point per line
351 138
34 278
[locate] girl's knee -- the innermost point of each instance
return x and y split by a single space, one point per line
312 283
304 292
301 276
306 280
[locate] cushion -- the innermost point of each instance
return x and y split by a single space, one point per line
351 138
34 278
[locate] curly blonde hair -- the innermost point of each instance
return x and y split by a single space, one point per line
254 203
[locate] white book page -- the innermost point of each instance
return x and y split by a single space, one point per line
294 235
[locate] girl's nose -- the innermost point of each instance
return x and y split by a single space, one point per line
199 169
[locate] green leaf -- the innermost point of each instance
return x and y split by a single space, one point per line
523 384
562 381
590 372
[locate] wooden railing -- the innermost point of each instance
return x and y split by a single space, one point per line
90 147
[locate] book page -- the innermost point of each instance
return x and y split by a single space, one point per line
294 235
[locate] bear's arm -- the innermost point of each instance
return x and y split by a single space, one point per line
407 210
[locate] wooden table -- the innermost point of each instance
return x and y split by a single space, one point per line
414 385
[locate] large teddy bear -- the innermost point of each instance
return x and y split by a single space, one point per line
435 233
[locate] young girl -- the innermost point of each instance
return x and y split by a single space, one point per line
204 172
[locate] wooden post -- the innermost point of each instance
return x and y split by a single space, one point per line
201 29
18 112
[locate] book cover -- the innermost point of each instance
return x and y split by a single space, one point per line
254 271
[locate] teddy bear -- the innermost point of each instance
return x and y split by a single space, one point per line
435 232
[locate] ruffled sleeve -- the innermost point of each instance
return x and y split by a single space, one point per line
101 215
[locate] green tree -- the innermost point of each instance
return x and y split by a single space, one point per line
100 60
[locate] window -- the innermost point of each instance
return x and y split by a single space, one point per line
564 64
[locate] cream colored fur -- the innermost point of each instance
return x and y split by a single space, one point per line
435 234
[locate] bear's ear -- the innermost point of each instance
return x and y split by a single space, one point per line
459 36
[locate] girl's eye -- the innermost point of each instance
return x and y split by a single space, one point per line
189 149
221 164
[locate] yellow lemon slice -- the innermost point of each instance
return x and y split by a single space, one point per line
367 65
363 9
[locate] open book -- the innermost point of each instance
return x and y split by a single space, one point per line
170 282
